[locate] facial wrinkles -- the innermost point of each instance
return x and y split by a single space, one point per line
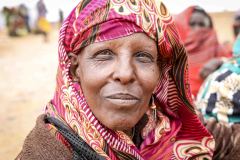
125 67
127 63
124 62
106 77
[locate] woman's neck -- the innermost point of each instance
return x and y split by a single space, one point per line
130 132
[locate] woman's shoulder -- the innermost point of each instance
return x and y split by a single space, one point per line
41 144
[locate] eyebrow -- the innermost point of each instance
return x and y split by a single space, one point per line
108 45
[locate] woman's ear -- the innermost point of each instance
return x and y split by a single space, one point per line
73 67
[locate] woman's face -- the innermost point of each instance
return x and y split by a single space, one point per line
198 20
117 78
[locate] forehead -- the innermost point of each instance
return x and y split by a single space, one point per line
198 16
136 40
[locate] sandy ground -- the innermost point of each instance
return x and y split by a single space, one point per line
27 81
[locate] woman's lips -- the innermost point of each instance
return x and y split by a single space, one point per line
123 99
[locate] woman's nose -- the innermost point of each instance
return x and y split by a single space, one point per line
124 71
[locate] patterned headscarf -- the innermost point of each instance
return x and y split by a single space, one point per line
177 133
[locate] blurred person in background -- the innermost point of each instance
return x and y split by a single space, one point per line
43 26
61 16
215 63
236 24
15 23
122 91
2 22
23 11
200 39
6 12
219 102
41 9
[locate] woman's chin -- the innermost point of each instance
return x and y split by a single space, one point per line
119 121
121 125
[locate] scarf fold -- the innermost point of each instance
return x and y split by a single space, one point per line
177 133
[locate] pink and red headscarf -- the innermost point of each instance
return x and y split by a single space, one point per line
178 133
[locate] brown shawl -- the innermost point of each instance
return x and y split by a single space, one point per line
41 144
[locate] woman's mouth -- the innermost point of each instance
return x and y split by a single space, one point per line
123 99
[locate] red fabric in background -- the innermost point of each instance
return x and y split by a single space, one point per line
202 45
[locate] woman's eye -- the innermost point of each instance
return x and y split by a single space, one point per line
144 57
103 55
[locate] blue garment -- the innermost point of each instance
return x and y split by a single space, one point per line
236 49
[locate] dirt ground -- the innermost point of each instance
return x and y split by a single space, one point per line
27 80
